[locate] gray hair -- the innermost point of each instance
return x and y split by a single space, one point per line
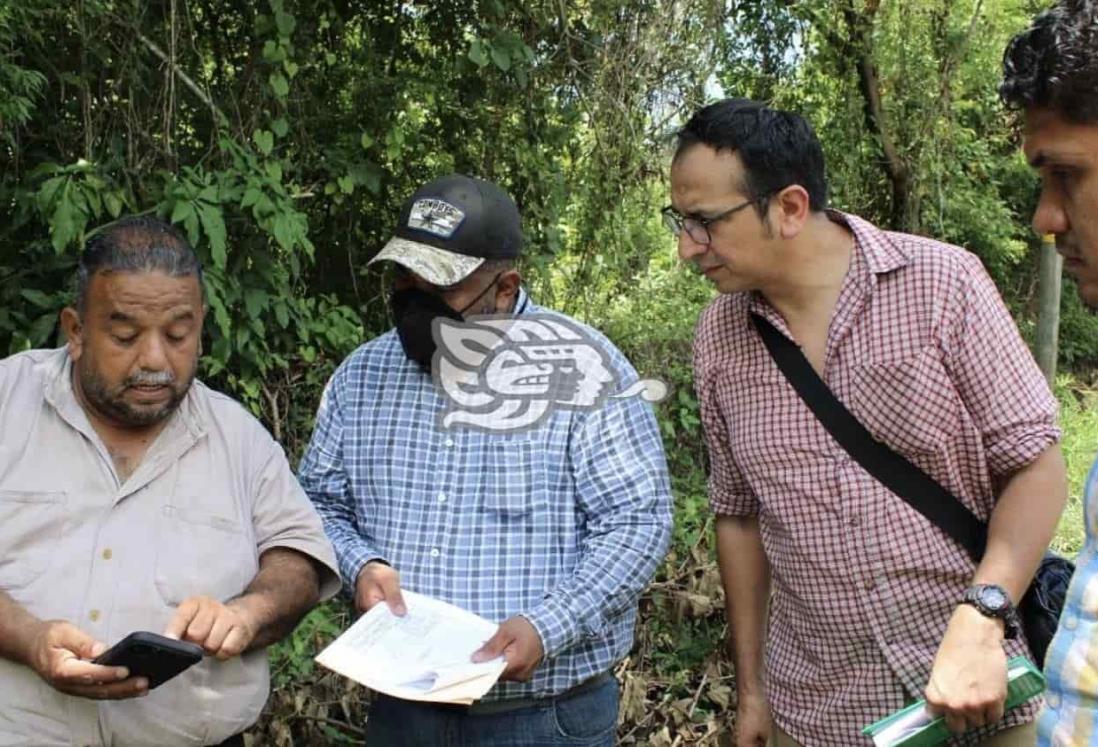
137 243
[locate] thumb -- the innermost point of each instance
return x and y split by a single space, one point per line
390 587
80 643
494 647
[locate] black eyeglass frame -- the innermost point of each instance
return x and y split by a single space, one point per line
677 222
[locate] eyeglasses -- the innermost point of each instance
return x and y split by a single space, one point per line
698 228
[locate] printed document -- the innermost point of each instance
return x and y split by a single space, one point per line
424 655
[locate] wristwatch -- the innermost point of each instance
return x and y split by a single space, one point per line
992 600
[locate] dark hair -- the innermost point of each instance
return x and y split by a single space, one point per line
1054 63
137 243
777 148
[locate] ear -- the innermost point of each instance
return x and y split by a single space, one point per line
74 331
793 210
507 288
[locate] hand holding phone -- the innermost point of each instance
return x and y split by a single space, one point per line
154 657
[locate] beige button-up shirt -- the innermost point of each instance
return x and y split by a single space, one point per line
213 492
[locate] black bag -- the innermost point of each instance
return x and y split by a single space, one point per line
1040 609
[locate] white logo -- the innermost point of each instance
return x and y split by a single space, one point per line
506 373
435 217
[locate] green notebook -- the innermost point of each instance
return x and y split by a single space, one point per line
914 727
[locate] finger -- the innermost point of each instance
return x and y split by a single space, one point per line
79 672
74 639
223 625
199 629
390 587
132 688
493 647
996 712
182 619
234 645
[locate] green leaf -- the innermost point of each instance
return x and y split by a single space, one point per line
214 226
113 203
255 301
477 53
290 67
285 22
182 211
502 58
282 314
41 329
264 140
252 195
209 194
283 231
365 141
330 58
274 171
66 223
346 184
279 85
37 297
280 126
221 316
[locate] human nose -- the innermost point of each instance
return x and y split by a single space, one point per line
1050 216
690 249
153 355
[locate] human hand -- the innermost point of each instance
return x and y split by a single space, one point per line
753 721
518 642
59 653
968 683
378 582
222 630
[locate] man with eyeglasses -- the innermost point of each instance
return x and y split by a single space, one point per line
870 605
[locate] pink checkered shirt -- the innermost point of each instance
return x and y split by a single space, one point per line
923 352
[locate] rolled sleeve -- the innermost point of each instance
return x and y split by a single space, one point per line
324 479
999 382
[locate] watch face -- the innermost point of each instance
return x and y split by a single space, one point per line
993 598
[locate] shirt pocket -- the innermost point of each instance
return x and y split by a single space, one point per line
202 554
512 493
30 525
910 404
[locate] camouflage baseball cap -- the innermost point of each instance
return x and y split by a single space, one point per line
450 226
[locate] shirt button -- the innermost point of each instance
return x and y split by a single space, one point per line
107 554
449 442
870 584
434 552
93 615
441 497
1053 700
855 520
1071 622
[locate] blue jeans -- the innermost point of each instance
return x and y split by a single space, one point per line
586 719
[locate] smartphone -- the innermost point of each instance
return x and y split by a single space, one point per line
152 656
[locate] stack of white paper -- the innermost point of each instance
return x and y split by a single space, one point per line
424 655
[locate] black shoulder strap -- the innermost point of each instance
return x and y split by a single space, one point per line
891 469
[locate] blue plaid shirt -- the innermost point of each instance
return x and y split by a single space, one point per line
563 524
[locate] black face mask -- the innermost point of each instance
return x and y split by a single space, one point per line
415 311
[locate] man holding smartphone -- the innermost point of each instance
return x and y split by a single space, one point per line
133 498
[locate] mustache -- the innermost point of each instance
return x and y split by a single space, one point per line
151 378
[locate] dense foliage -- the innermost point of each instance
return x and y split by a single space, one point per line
283 136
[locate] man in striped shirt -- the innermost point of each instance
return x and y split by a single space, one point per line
1051 74
870 605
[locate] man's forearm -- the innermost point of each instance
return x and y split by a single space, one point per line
1023 523
286 587
17 628
745 575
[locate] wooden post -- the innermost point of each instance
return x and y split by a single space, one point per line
1048 308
